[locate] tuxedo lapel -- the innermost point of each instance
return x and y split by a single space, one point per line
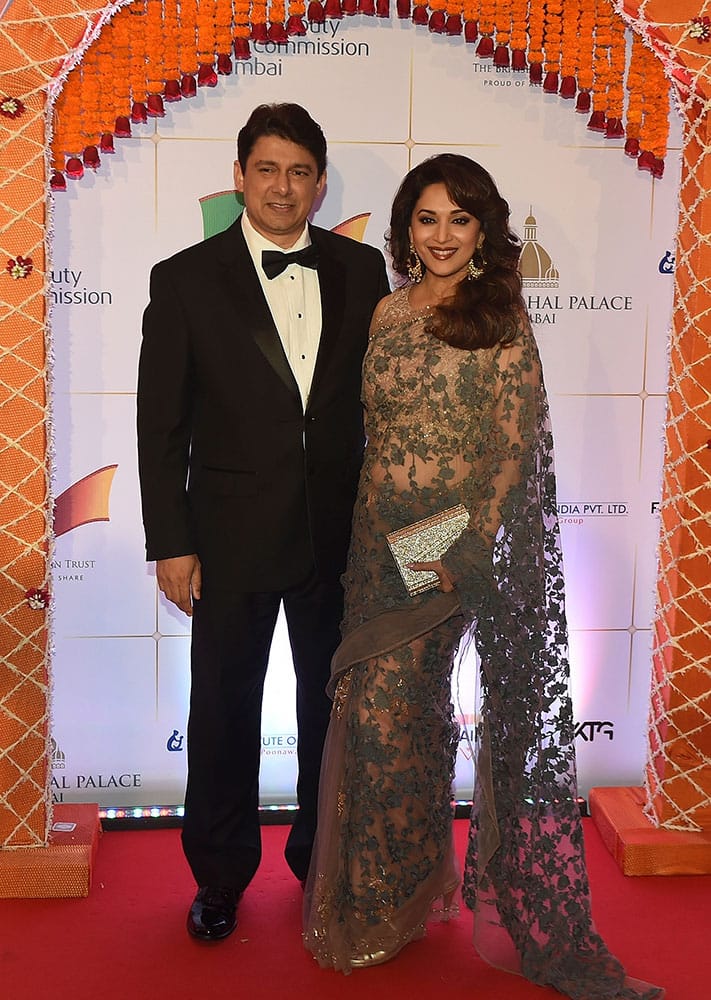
331 278
250 310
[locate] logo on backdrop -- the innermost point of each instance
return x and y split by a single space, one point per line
279 745
62 783
667 263
65 291
538 270
588 730
175 741
59 760
536 265
86 501
577 511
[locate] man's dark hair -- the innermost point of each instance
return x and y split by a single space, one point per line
287 121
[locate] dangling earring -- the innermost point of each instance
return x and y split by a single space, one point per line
414 266
474 270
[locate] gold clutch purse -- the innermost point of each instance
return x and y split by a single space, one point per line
426 541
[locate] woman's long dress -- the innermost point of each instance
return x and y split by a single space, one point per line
448 426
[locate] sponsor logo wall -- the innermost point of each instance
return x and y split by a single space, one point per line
597 265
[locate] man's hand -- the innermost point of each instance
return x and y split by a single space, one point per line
180 580
446 583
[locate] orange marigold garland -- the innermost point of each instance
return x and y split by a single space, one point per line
454 24
295 22
67 142
438 17
635 98
601 66
470 12
503 33
519 18
155 59
277 17
90 107
419 12
171 51
137 62
223 36
614 128
487 25
654 132
535 43
259 20
586 32
187 31
108 95
241 29
569 51
206 43
552 35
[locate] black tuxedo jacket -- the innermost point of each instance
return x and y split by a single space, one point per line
230 466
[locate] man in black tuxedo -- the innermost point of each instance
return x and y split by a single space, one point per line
250 442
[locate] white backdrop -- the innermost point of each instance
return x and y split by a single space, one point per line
387 95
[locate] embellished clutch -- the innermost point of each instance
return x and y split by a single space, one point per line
426 541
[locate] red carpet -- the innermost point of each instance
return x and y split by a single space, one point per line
127 939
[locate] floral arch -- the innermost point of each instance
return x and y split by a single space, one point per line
573 49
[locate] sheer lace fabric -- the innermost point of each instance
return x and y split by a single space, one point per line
447 426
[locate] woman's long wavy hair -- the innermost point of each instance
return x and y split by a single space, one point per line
485 311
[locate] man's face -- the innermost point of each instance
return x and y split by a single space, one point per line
280 184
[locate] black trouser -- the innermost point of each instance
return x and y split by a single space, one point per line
231 637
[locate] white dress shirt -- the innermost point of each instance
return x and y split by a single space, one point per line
294 298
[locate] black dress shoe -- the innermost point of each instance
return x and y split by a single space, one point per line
213 914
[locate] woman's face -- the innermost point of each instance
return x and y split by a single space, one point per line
444 235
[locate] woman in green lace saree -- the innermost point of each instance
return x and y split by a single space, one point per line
456 413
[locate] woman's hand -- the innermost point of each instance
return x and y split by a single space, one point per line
446 583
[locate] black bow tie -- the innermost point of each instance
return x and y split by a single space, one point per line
274 261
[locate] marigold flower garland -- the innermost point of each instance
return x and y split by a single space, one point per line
295 22
535 43
502 19
614 128
171 51
137 62
277 16
601 65
155 58
552 35
90 108
487 26
438 17
635 99
206 43
519 19
241 29
419 12
586 33
569 51
187 31
654 132
67 142
223 36
108 95
454 24
259 20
